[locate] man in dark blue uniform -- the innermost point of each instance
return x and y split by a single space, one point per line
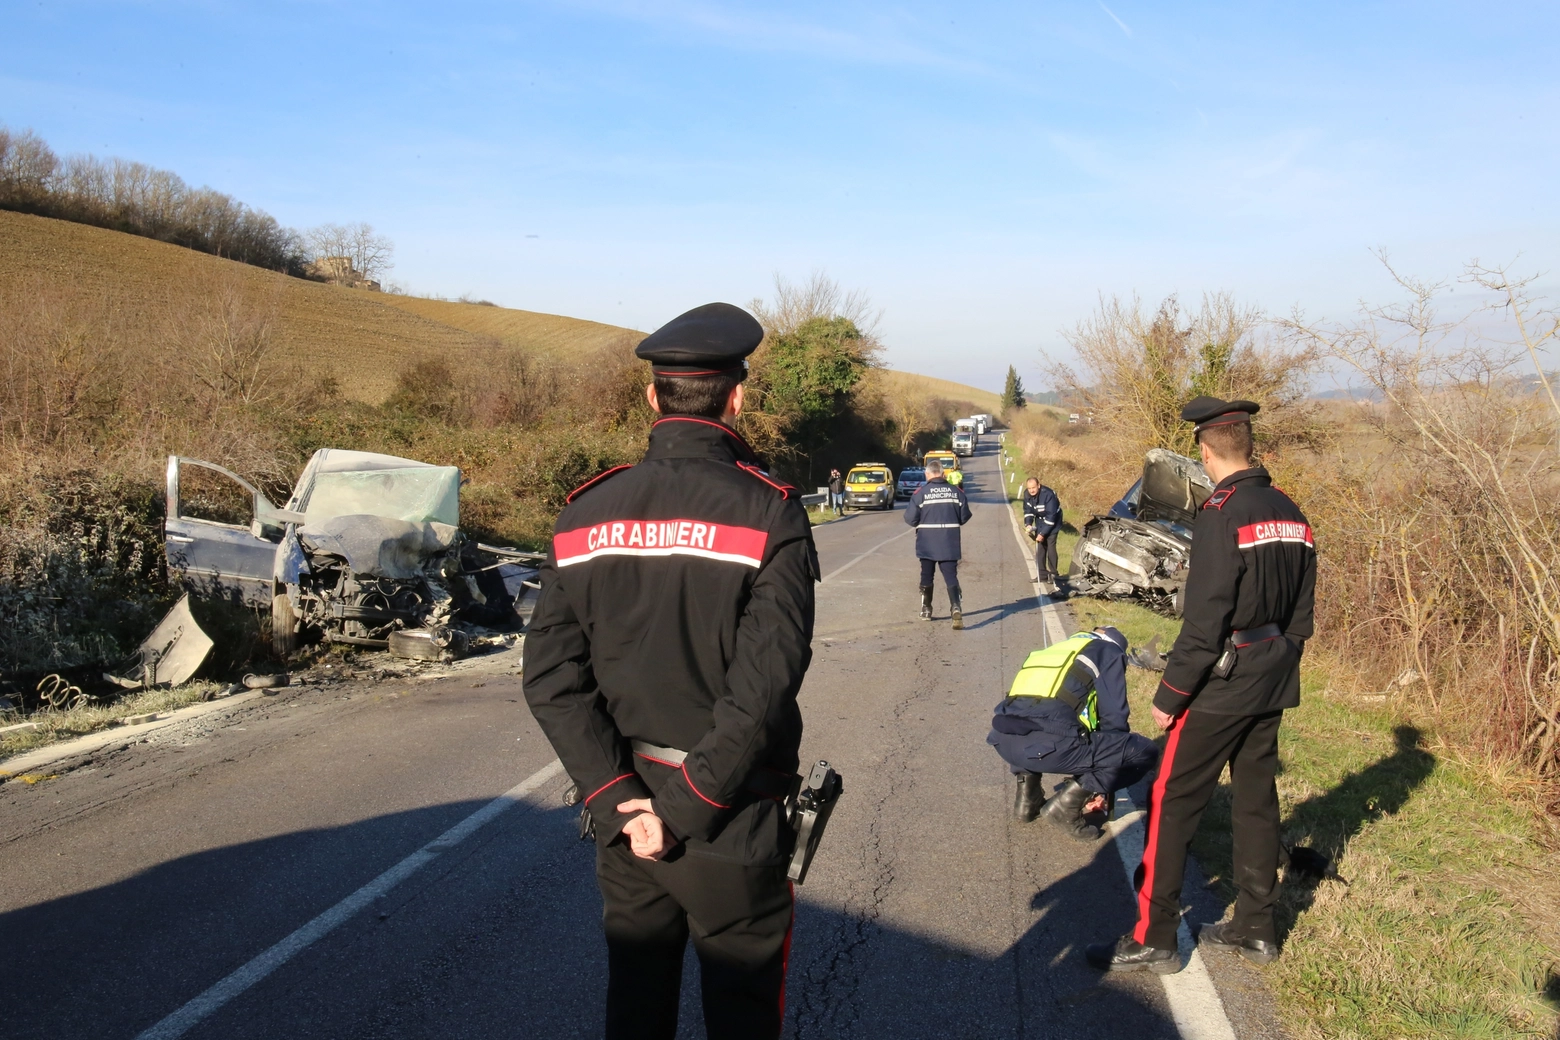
1233 671
937 511
1043 522
1078 727
670 637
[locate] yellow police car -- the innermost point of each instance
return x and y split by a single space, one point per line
869 485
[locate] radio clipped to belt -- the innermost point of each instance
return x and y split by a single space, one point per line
1224 667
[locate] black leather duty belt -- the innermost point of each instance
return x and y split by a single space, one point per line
766 783
1260 634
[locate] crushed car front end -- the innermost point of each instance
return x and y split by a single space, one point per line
1141 549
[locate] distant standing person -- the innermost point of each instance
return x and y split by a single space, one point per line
937 511
1233 671
836 492
1043 521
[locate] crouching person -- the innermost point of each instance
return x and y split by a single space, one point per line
1067 713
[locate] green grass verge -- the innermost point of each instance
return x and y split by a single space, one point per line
1432 937
55 726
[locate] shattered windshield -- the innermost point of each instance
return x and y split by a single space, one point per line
416 494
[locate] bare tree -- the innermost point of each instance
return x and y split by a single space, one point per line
371 254
1136 371
819 297
1442 539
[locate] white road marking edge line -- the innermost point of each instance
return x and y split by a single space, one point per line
191 1014
847 566
1194 1001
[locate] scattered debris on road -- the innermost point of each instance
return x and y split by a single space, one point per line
171 655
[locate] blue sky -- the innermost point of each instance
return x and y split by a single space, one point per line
982 170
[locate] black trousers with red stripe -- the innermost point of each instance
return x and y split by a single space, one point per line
739 918
1200 744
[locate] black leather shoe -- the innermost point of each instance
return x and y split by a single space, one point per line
1219 937
1127 954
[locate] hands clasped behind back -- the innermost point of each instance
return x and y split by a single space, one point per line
646 834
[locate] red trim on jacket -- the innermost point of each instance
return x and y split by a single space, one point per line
785 951
696 790
593 481
722 427
1156 799
753 471
606 785
657 761
1218 498
1172 689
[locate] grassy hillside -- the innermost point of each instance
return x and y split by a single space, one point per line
929 387
362 338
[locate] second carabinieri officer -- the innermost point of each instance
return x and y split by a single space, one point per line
670 637
1234 670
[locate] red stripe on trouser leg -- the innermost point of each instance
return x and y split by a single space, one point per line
785 952
1151 841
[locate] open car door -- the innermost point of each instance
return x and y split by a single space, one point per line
220 533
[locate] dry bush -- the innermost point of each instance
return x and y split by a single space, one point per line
1438 534
1086 476
1135 372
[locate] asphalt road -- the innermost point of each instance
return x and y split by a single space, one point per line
133 884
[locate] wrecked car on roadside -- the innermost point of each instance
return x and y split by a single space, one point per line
1141 548
366 545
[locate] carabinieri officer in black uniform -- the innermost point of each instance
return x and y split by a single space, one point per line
1233 671
670 637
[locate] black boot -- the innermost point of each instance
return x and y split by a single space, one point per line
956 608
926 603
1028 797
1065 810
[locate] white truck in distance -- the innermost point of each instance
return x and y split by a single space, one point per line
964 437
983 423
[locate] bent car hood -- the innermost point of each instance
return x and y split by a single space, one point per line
1174 487
377 545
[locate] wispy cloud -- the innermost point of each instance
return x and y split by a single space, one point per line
1124 26
885 41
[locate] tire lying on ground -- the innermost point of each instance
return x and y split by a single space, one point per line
427 644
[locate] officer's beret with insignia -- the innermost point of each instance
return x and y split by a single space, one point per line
1211 411
707 341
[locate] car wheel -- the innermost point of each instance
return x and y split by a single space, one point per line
284 626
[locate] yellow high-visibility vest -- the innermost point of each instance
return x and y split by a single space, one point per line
1044 671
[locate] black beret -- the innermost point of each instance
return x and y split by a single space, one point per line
706 341
1210 411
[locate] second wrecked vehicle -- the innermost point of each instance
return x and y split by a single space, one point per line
366 545
1141 549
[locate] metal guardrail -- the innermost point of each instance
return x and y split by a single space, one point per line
815 500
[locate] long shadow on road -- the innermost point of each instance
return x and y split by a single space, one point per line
499 937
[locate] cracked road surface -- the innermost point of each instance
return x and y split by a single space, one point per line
137 880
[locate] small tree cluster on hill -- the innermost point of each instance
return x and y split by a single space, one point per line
139 199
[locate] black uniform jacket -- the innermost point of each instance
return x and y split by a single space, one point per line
1253 563
1100 666
1042 511
937 510
676 608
